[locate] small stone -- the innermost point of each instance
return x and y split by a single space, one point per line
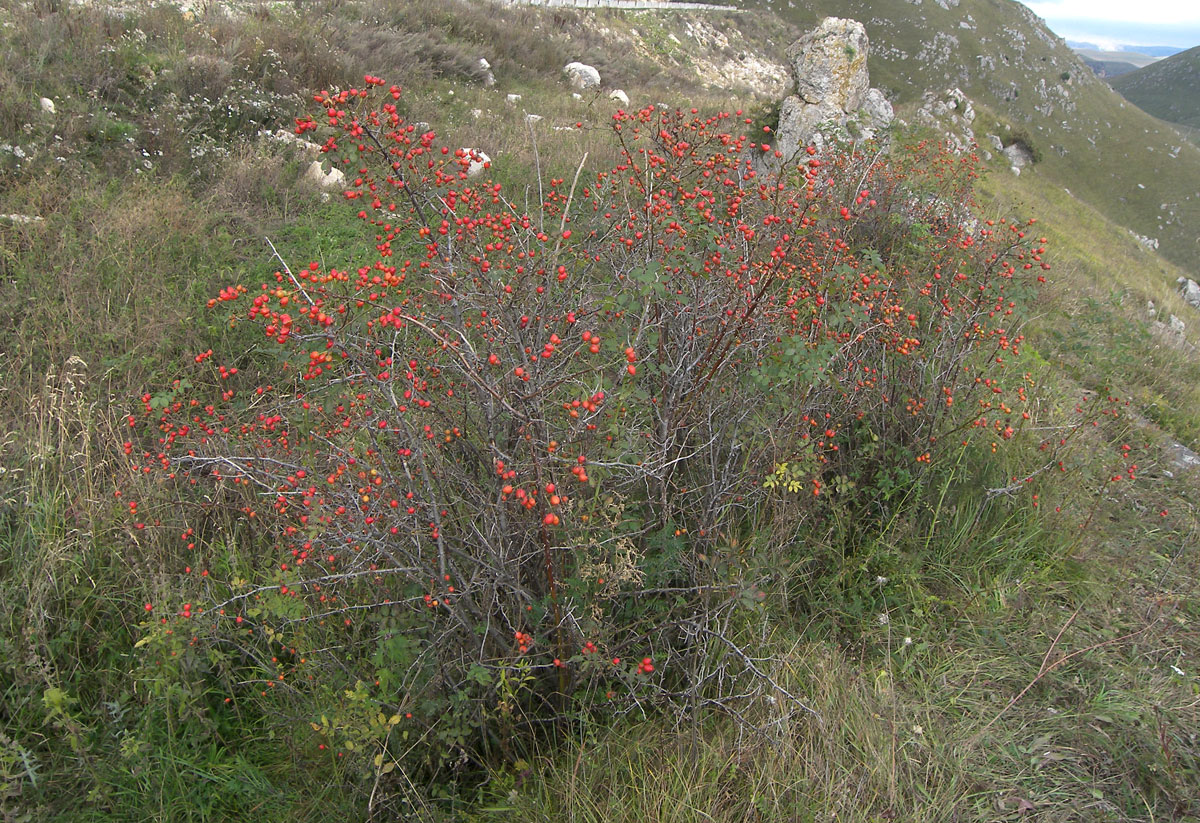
512 99
47 105
22 219
620 96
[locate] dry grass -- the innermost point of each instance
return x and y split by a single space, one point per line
104 298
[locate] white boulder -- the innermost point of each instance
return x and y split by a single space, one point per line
47 105
484 68
582 76
334 179
1190 290
620 96
478 162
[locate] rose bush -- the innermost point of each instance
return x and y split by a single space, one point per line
528 462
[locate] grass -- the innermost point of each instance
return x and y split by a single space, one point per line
1166 88
1098 326
104 299
1121 161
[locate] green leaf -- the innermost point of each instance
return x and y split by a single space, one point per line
480 675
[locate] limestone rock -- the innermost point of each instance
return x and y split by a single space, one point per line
479 162
1018 154
620 96
832 89
799 122
1190 290
22 219
951 112
290 138
47 105
877 109
1182 457
1176 325
316 174
582 76
484 69
512 99
830 64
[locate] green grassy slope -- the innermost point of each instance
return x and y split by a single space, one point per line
1168 89
155 191
1109 68
1131 167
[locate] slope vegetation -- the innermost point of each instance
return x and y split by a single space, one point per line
968 655
1168 89
1126 164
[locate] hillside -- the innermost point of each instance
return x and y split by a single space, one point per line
1132 59
1169 89
1125 163
594 479
1108 68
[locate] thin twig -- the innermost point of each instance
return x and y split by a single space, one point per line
1045 670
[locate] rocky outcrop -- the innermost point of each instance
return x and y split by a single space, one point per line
830 64
952 113
832 87
877 110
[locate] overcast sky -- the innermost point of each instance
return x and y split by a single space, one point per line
1110 23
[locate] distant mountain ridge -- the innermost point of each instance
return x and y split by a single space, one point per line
1135 59
1023 78
1169 88
1150 51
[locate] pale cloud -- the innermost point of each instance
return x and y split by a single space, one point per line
1162 12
